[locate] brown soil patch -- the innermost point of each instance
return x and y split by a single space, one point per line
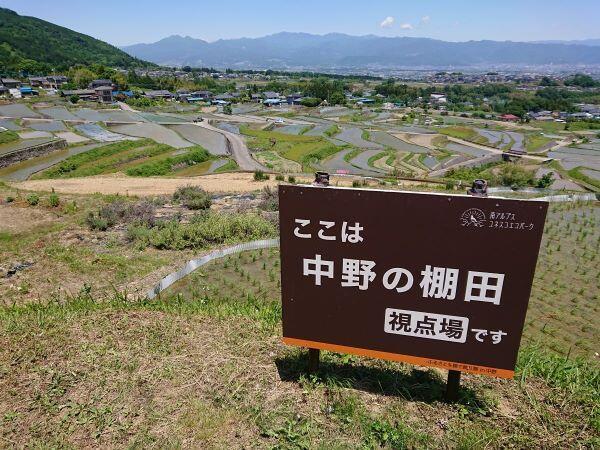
17 220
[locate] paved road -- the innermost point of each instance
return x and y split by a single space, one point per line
239 149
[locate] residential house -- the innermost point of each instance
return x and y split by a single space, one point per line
10 83
438 98
104 94
509 118
57 80
224 97
83 94
38 82
159 94
203 95
269 95
98 83
256 98
294 99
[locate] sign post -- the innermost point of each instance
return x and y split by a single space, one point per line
430 279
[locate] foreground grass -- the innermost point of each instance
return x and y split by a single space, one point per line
203 366
211 372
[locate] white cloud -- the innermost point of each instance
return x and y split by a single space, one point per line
387 22
406 26
425 19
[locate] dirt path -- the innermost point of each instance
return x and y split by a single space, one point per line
239 149
120 184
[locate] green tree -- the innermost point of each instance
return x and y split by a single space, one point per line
337 98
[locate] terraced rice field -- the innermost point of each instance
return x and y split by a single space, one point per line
34 134
519 141
137 158
362 161
212 141
20 145
337 164
334 111
70 137
54 125
162 118
23 170
97 133
203 168
430 162
153 131
466 149
10 125
230 127
495 138
291 129
91 115
353 136
595 174
58 113
318 130
17 111
275 161
570 157
396 143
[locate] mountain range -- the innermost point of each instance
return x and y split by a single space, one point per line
335 50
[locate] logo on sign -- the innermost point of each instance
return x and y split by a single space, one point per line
473 217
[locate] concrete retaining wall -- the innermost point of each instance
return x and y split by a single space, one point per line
31 152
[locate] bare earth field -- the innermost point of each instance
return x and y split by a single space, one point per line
120 184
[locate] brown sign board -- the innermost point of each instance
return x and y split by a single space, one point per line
430 279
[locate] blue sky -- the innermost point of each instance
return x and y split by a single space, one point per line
128 22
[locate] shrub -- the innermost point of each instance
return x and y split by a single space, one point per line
291 179
269 199
193 156
279 178
33 199
192 197
10 199
120 211
204 230
310 101
514 175
53 200
95 222
356 183
259 175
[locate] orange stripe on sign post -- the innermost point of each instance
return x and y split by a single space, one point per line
449 365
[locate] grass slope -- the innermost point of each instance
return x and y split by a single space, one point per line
136 158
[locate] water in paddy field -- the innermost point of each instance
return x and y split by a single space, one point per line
23 170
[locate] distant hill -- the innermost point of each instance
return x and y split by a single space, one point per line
33 44
589 42
295 50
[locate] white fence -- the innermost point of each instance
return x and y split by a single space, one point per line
199 262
